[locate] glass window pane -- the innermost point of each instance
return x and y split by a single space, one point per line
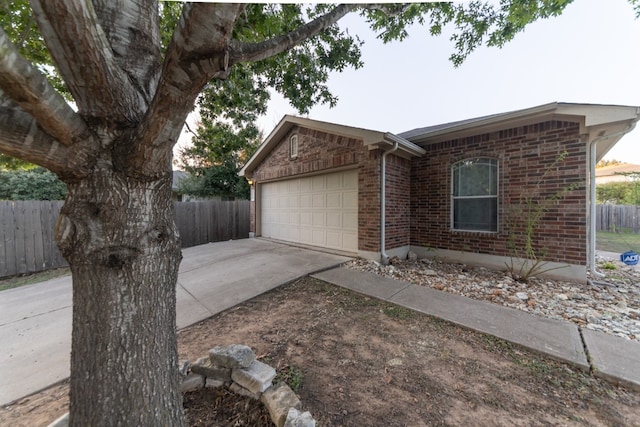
475 214
475 177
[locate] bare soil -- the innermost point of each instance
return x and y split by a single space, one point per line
357 361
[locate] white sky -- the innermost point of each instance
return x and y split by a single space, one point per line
589 54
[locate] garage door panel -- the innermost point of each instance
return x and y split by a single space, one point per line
305 185
319 201
350 221
334 200
333 182
318 219
319 238
318 183
306 219
305 201
334 239
321 210
350 200
350 181
294 218
334 219
350 240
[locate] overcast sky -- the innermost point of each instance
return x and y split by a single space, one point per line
589 54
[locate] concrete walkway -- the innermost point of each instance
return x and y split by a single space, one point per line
35 320
615 359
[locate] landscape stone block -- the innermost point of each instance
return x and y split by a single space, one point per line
183 367
238 389
256 378
278 400
297 419
233 356
204 366
192 382
211 383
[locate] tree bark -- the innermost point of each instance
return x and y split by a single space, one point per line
119 237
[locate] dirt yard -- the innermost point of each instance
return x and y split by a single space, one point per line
357 361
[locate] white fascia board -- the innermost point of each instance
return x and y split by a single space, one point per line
588 115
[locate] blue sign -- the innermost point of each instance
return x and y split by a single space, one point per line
629 258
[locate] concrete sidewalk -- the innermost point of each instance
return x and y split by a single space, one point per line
615 359
35 320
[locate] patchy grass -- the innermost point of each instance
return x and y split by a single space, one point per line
617 242
292 376
30 279
398 312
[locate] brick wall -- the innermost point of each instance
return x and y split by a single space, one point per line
523 154
320 152
398 200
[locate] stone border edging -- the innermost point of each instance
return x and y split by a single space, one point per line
236 367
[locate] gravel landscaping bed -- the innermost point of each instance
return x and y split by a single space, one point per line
610 304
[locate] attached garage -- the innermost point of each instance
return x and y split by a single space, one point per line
318 184
319 210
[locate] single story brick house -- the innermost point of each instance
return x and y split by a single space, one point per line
448 190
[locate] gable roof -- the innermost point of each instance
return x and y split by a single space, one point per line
371 139
603 123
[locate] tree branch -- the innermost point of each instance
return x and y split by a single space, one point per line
86 61
29 88
197 53
134 40
21 137
250 52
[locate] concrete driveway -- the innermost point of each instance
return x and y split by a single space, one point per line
35 320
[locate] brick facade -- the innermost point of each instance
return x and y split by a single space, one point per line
398 202
418 196
320 152
524 155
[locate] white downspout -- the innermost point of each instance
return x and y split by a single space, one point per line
591 252
384 258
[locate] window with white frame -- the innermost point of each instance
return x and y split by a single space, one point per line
293 146
474 202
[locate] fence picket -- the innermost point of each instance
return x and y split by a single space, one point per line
27 230
618 218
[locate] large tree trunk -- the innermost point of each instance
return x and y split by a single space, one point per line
119 237
114 152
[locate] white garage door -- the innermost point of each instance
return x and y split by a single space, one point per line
319 210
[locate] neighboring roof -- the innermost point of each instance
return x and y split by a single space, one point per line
615 173
177 177
371 138
620 168
604 123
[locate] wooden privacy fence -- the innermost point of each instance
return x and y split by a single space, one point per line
27 243
618 218
211 221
